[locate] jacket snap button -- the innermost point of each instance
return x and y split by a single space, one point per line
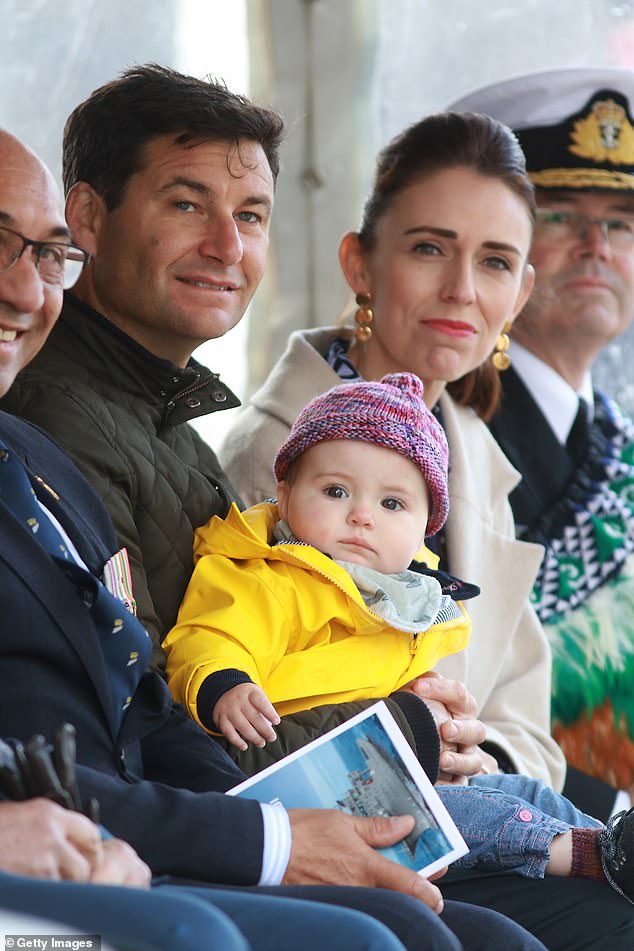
219 397
193 402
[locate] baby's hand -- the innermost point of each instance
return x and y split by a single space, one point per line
244 715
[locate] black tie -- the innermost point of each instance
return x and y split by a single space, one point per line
577 441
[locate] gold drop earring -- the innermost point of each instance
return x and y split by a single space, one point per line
363 317
501 358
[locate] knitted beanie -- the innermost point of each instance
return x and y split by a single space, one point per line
391 414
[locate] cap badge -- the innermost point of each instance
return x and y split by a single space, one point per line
604 135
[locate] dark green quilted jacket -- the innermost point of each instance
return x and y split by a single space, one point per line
122 415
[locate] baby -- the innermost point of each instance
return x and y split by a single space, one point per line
318 601
327 613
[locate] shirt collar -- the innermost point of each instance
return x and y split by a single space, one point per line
556 399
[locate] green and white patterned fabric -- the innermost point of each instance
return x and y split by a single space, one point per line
584 595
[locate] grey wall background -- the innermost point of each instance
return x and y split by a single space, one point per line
55 53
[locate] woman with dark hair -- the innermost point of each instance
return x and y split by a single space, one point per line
440 269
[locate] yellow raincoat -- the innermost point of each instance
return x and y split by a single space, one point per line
291 619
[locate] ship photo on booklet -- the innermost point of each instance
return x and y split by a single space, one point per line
367 768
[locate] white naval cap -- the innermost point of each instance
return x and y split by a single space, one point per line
574 124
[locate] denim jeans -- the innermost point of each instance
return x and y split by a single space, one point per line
509 821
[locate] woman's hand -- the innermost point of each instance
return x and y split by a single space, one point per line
454 712
245 715
441 716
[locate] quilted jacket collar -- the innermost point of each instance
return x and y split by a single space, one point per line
181 393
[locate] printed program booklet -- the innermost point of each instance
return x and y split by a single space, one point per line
367 768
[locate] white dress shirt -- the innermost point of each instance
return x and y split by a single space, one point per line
556 399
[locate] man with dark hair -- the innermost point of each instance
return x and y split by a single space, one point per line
170 184
105 136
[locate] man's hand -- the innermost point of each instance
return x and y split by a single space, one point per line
42 840
330 847
244 715
454 711
119 864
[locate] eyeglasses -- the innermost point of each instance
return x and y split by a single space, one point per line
564 225
57 262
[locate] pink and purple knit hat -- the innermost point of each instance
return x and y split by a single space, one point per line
390 413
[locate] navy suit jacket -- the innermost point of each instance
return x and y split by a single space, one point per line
159 780
524 435
528 442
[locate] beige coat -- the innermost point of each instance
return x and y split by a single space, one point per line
507 664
